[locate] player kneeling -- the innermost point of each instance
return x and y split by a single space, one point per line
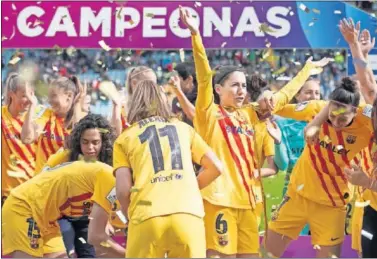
156 182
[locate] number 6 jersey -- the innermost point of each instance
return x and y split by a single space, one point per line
160 154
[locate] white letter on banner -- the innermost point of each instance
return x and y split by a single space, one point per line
210 18
150 21
22 21
61 14
121 24
174 26
88 18
273 18
248 22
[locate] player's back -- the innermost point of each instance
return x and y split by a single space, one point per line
160 155
61 190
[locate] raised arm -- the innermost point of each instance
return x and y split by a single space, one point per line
202 67
186 105
360 49
29 128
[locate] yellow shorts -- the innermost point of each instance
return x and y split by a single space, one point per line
357 224
176 235
231 231
326 223
21 233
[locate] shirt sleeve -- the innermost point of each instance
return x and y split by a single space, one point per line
120 156
104 190
198 147
286 94
304 111
268 145
58 158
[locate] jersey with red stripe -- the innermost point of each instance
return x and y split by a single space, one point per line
18 159
231 136
123 118
368 195
64 190
318 174
51 139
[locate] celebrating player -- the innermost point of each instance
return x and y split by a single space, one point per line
231 221
53 124
30 214
155 178
18 159
318 186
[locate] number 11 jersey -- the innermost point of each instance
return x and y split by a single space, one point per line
160 154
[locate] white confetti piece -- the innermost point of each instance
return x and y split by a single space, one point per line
104 45
90 218
366 234
198 4
291 13
14 60
304 8
317 247
6 18
121 216
334 256
54 68
182 55
273 207
14 8
311 24
39 2
82 240
223 44
359 204
300 187
337 12
13 33
339 147
3 38
268 195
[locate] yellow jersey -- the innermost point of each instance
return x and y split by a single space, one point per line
18 159
64 190
231 135
369 195
318 174
161 155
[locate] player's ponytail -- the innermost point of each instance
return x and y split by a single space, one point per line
255 86
13 82
346 93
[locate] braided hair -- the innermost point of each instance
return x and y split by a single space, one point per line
93 121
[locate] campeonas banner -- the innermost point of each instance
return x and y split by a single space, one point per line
155 24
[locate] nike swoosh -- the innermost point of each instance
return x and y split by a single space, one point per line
334 239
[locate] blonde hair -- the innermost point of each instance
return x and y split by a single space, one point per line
148 100
137 73
12 84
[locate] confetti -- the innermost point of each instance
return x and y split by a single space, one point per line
104 45
265 28
58 49
109 90
70 51
291 13
90 218
334 256
337 12
150 15
3 38
119 13
182 55
13 33
337 42
131 21
54 68
284 78
39 2
104 131
311 24
37 22
268 195
105 244
317 247
273 207
366 234
268 45
82 240
300 187
364 204
304 8
6 18
316 11
14 7
14 60
144 202
198 4
339 111
151 44
223 44
133 189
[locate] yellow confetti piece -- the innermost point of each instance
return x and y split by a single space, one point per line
144 203
265 28
131 21
134 189
150 15
82 240
327 139
14 60
119 13
3 38
105 244
339 111
104 45
300 187
38 22
316 11
359 204
316 247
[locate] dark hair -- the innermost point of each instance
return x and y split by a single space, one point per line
186 69
346 93
310 79
222 73
255 86
93 121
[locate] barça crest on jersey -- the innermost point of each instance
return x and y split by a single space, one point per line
351 139
223 240
301 106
